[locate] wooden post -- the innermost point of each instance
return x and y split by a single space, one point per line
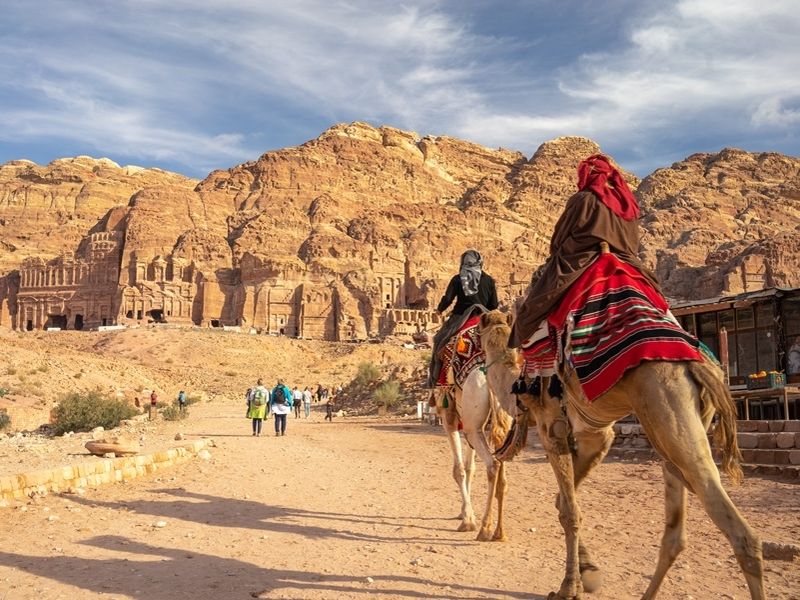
723 354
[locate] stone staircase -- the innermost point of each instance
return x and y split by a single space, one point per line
768 447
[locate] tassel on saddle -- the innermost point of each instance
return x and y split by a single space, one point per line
517 436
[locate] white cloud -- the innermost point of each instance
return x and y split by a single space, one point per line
771 112
184 80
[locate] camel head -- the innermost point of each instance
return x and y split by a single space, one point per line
495 327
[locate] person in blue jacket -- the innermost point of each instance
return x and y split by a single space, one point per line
281 405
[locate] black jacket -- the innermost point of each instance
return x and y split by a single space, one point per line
487 295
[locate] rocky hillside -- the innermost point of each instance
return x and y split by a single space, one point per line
723 223
46 210
365 219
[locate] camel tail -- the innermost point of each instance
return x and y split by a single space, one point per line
714 392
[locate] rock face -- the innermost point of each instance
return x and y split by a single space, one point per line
723 223
355 234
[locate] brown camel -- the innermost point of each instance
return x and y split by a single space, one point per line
674 402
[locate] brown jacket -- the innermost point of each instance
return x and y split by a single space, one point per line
585 222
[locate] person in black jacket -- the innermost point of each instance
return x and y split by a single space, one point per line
473 290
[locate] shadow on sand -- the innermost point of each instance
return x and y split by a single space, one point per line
149 572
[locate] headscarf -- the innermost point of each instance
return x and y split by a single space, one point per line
470 273
598 175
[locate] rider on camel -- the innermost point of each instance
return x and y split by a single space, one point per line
603 210
473 289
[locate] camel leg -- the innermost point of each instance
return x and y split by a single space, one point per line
500 494
670 416
674 539
552 428
478 441
592 447
462 473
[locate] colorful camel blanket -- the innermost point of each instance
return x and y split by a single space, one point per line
609 321
463 353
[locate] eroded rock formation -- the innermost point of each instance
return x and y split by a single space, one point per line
355 234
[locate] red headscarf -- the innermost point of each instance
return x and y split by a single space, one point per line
597 175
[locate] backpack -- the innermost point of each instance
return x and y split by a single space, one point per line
279 395
259 397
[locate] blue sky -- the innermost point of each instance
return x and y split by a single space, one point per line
195 85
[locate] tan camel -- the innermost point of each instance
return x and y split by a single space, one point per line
674 402
474 406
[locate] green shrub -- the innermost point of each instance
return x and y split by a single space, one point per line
367 373
388 393
173 413
11 371
193 399
3 392
5 421
84 412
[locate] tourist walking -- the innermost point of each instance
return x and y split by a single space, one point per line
297 398
182 401
257 401
329 409
281 405
153 408
307 398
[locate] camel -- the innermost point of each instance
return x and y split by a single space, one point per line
674 402
473 404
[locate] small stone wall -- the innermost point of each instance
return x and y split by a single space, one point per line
770 442
94 473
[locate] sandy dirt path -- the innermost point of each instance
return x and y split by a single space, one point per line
355 509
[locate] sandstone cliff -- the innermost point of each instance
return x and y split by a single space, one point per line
46 210
723 223
355 233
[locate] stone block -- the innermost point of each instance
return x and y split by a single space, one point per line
785 440
67 473
792 426
747 440
172 453
747 426
161 457
128 473
143 460
794 457
765 457
626 430
8 484
781 457
762 426
37 478
117 475
776 426
766 441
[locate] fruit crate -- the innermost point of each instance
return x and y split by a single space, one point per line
768 381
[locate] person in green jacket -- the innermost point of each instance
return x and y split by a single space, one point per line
257 402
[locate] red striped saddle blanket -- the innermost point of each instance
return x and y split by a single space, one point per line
463 353
609 321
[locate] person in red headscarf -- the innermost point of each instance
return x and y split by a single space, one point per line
603 210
